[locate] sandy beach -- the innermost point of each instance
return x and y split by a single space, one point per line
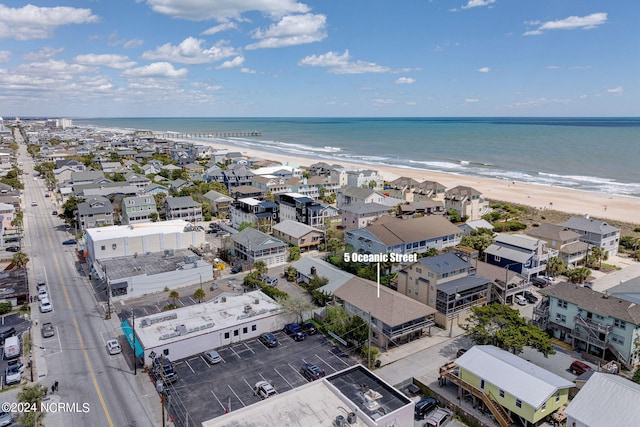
602 206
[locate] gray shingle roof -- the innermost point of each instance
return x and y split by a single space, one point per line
444 263
181 202
294 228
590 225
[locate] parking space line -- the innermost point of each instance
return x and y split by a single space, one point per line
340 359
283 377
249 348
218 400
327 363
192 300
234 352
296 371
234 393
187 362
145 310
248 385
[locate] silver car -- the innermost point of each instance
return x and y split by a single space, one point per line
212 357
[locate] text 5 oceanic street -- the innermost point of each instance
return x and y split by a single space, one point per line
388 257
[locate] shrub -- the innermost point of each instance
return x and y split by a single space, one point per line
5 307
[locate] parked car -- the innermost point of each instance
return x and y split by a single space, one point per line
70 242
13 374
212 357
460 352
163 370
295 331
5 418
47 330
530 297
113 347
41 285
311 372
34 203
54 212
424 406
540 282
578 368
438 418
236 269
13 249
45 305
42 293
263 278
271 281
264 390
519 299
6 333
309 328
268 339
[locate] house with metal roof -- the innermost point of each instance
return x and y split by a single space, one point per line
408 236
605 400
595 232
525 255
445 282
525 391
395 318
593 322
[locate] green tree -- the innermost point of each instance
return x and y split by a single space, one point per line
68 214
294 253
199 294
555 265
502 326
598 255
336 320
333 245
19 259
306 174
174 296
296 305
454 216
370 355
578 274
32 395
291 274
261 268
317 282
636 376
244 225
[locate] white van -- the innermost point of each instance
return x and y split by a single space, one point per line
11 347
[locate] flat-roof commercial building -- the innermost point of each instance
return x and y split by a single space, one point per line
226 319
354 396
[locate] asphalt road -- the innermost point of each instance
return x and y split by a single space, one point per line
76 357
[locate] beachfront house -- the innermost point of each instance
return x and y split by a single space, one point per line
394 318
567 242
416 235
445 282
525 255
525 391
499 276
595 232
401 188
595 323
467 201
364 178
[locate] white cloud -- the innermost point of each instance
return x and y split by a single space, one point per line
190 51
247 70
206 86
132 44
552 67
157 69
5 56
226 26
383 101
118 62
32 22
405 81
233 63
42 54
477 3
588 22
616 91
484 70
200 10
291 30
471 100
538 102
342 64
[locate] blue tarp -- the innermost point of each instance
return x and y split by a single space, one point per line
128 333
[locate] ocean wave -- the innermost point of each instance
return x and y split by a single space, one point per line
582 178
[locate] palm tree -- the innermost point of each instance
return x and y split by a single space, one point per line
555 265
579 274
261 267
199 294
598 255
19 259
174 296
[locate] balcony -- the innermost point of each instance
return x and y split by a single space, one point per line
593 326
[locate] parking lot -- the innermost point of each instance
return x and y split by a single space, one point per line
206 391
21 326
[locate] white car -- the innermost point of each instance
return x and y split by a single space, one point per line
113 347
212 357
42 293
264 390
520 299
45 305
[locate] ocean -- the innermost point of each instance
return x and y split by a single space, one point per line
591 154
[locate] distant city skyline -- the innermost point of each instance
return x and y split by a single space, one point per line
284 58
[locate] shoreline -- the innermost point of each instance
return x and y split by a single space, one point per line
543 197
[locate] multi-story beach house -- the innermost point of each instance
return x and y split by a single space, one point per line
360 215
567 242
262 214
346 196
184 208
137 180
595 232
525 255
428 190
303 209
138 209
251 245
467 201
416 235
220 204
297 234
364 178
401 188
445 282
96 211
593 322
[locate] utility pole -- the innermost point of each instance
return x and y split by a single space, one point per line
369 345
135 341
106 279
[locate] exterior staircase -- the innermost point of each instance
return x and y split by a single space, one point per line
619 356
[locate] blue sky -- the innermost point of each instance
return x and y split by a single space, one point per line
246 58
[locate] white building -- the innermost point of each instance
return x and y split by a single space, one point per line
226 319
128 240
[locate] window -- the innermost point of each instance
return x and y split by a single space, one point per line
617 339
254 328
114 246
497 258
419 270
620 323
562 304
518 403
226 335
103 247
235 332
561 318
482 384
558 397
245 330
502 393
543 407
